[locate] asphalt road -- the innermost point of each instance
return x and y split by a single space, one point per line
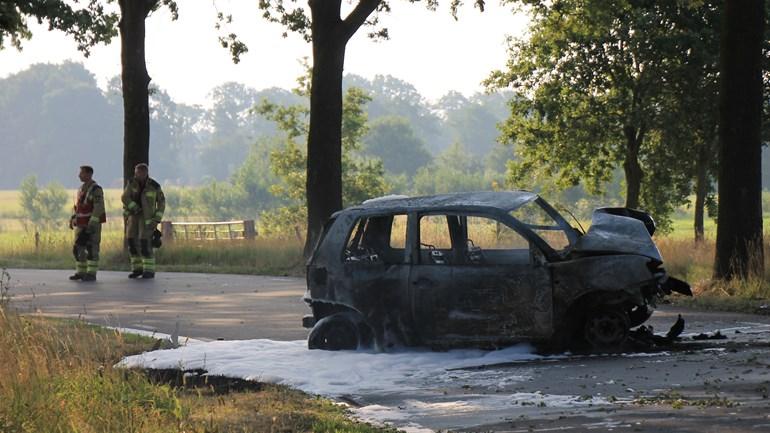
695 386
206 306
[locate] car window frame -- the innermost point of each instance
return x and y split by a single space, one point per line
569 232
356 218
536 244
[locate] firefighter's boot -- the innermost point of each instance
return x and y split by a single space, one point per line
136 267
80 271
91 267
149 267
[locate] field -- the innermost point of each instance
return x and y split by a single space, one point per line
19 246
10 208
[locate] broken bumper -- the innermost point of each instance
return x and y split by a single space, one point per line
672 284
308 321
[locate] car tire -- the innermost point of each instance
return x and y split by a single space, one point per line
335 332
606 328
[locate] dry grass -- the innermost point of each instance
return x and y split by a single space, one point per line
267 256
687 259
694 263
58 376
9 201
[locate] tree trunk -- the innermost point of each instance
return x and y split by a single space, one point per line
324 145
701 187
136 112
739 250
700 197
631 167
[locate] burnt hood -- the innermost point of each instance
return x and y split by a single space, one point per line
620 230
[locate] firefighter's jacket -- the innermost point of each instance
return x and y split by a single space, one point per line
89 205
146 200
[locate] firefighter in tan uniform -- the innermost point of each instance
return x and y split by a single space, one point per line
143 204
87 221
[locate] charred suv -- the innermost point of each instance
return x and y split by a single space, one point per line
481 269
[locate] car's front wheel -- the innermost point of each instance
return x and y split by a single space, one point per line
606 328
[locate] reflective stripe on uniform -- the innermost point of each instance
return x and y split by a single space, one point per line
136 263
92 266
149 264
81 267
132 205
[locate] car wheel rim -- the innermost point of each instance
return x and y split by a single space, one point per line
606 329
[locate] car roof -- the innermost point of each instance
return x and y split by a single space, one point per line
501 200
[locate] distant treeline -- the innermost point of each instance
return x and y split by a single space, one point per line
54 118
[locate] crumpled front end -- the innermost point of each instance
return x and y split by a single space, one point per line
612 278
613 233
620 232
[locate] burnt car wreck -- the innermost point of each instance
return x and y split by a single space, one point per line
482 269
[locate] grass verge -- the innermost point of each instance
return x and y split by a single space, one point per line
693 262
58 377
263 256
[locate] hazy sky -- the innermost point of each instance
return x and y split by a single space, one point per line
429 49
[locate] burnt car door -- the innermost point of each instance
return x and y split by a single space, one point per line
430 275
503 282
375 264
499 287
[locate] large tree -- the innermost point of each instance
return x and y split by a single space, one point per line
88 26
329 33
596 80
135 80
693 118
362 177
739 232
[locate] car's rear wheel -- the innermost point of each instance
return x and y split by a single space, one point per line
606 328
336 332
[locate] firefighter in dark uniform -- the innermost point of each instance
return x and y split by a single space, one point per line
143 204
87 222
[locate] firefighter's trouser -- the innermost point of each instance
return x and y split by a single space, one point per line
87 254
139 238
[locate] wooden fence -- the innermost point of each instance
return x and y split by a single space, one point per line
208 231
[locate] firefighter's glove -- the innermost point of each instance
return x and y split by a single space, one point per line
157 238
